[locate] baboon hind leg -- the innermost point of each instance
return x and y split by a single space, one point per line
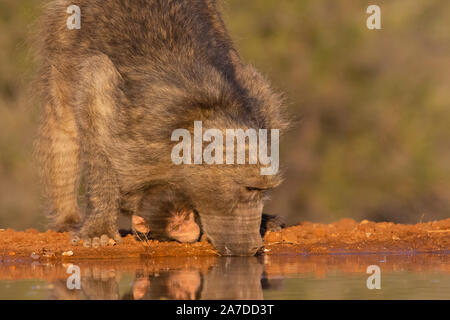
58 152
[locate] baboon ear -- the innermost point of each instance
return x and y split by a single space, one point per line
190 216
139 224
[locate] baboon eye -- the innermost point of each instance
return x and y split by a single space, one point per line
257 192
255 189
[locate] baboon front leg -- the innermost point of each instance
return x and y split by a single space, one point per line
102 197
96 110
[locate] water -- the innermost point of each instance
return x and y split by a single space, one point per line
280 277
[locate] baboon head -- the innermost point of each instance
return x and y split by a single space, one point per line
229 202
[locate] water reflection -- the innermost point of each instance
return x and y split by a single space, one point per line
192 278
174 279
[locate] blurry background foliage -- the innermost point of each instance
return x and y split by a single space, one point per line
371 108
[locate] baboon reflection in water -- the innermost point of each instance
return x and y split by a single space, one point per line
225 278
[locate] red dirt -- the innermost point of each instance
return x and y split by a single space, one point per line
345 236
349 236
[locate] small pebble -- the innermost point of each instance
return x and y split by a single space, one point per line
35 256
111 242
68 253
368 234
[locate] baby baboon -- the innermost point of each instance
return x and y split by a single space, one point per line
180 226
113 93
166 215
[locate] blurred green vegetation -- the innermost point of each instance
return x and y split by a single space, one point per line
371 108
19 193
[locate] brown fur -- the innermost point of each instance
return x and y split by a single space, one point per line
114 91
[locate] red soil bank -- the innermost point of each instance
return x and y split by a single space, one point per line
345 236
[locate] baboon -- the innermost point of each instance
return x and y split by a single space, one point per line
114 91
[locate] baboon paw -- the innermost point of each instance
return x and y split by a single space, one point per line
103 240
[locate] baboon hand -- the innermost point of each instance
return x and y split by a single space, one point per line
89 238
271 223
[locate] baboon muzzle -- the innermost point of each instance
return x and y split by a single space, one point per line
237 234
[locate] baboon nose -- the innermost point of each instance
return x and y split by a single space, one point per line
239 250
